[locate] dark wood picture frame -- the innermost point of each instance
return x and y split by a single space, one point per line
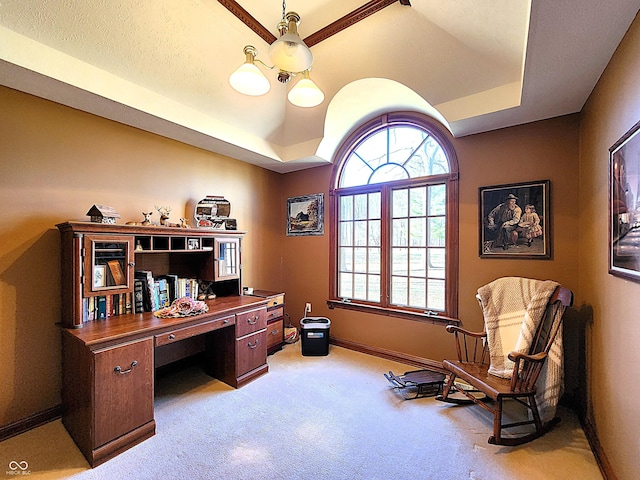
523 235
305 215
624 206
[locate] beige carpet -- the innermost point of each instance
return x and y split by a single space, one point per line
332 417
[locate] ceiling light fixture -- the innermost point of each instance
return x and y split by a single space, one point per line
290 56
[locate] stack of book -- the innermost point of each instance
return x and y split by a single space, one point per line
105 306
153 293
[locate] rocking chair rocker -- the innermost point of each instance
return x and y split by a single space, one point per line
473 367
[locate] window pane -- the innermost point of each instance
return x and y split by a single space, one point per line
355 172
360 207
389 172
345 283
437 200
436 232
346 207
436 265
435 295
418 232
346 260
360 286
400 203
418 262
374 260
399 290
346 233
434 157
360 233
374 205
374 288
403 141
360 260
417 297
374 233
399 261
373 150
399 234
418 202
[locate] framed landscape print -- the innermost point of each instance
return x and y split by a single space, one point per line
305 215
624 205
515 221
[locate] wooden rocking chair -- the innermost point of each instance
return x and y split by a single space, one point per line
472 367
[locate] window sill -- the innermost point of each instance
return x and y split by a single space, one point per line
435 319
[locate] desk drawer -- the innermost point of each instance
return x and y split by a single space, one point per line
251 352
275 301
275 333
199 329
251 321
275 313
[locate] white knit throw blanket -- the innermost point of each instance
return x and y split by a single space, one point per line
512 309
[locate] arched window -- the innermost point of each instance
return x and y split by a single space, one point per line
394 204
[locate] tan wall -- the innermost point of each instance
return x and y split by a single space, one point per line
55 163
537 151
614 333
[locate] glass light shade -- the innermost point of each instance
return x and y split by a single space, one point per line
249 80
306 93
290 53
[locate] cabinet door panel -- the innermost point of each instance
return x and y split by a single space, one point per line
108 264
123 389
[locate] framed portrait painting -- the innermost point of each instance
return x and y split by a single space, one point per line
305 215
515 221
624 205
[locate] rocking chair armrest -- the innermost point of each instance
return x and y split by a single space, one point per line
456 329
537 358
518 357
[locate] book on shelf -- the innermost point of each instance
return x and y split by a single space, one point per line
188 287
101 308
138 295
163 292
128 306
149 290
172 286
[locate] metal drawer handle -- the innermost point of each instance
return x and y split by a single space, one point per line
254 345
119 370
275 332
255 320
172 337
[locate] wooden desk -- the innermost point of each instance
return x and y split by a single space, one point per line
108 368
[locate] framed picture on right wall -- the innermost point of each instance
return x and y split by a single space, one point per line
515 221
624 205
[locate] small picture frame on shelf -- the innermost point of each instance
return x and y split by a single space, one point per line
193 244
99 276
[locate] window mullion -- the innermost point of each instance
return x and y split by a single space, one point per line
385 240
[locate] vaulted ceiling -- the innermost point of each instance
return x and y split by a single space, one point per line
163 65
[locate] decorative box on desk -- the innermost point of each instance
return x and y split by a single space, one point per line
275 318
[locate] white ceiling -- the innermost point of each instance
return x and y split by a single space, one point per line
163 66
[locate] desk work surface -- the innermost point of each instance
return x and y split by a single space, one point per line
125 327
